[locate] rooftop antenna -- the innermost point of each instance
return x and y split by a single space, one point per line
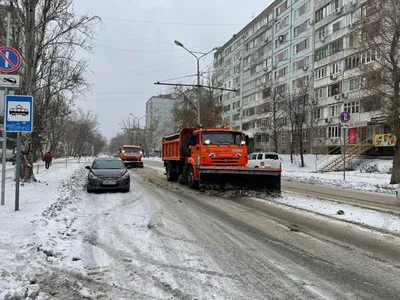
253 15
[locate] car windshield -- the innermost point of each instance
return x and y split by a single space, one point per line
131 150
221 138
108 164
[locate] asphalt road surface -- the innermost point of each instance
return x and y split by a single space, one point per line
364 199
163 240
219 248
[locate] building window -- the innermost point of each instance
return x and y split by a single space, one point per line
336 46
321 93
351 85
352 62
283 137
281 8
336 26
321 53
335 89
301 46
281 56
301 28
283 38
304 136
333 111
320 73
336 67
318 113
352 107
302 10
322 32
235 117
333 132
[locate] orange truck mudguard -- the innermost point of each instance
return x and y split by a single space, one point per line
214 156
131 155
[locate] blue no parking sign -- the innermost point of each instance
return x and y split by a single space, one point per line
344 117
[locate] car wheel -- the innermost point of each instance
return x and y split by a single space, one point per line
88 189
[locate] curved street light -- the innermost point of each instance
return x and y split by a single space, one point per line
202 54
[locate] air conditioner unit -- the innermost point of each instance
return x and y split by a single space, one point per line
338 10
333 76
267 40
328 120
310 22
350 25
265 69
322 39
344 95
316 120
337 97
280 38
334 140
314 102
305 68
353 2
276 20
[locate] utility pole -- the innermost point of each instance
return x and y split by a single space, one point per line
198 90
3 174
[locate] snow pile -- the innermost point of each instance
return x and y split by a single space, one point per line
361 216
368 174
23 231
152 158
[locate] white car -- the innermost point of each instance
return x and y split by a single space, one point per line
398 193
264 160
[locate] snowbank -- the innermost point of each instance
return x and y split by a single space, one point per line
357 179
362 216
24 230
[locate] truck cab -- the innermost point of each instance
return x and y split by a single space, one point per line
131 155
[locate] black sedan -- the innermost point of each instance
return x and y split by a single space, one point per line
107 174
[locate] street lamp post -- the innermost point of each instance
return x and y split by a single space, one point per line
138 123
198 72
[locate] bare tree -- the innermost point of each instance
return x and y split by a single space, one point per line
377 39
185 111
275 110
299 108
48 33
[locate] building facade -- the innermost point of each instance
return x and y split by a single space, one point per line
298 47
338 77
266 61
159 118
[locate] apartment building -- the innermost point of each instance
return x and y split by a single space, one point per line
272 54
338 77
159 117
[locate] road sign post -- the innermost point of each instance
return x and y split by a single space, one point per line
10 61
344 118
19 118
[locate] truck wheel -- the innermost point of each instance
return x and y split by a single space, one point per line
193 184
171 176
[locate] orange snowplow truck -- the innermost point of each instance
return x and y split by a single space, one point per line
131 156
214 156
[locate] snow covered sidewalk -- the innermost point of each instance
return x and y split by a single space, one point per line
27 228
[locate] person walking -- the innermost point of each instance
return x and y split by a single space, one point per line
47 160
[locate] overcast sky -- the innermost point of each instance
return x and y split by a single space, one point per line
135 48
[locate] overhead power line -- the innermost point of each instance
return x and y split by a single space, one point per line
172 23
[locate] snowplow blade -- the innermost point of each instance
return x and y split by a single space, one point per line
241 178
